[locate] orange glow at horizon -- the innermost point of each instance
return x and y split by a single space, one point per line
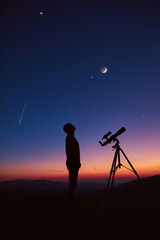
90 170
96 163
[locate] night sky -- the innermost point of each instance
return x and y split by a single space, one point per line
51 56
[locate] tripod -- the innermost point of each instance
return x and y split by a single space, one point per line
115 165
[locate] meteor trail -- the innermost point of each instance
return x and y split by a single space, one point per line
22 114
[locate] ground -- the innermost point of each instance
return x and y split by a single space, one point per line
129 214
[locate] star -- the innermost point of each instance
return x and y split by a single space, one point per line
41 13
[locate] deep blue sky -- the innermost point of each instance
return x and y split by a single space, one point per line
51 63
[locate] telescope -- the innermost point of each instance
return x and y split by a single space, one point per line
117 164
113 137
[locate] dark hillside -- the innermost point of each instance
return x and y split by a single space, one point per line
129 214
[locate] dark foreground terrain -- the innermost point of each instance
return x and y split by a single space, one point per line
37 210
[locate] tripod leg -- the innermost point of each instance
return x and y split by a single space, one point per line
114 171
116 167
146 189
108 183
119 161
130 164
111 172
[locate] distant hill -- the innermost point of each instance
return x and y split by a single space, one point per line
26 185
152 183
37 209
146 191
31 185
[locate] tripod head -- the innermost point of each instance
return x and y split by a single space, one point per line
116 144
113 137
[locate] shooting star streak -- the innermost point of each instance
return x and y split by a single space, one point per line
22 114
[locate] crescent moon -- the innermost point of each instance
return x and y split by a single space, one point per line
103 69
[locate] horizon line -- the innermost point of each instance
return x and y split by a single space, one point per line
120 178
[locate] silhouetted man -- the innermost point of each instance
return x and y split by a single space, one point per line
73 159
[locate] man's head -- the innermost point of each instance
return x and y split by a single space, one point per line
69 128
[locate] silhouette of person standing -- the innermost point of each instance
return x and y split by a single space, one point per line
73 160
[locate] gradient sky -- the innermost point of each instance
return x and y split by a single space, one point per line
50 71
